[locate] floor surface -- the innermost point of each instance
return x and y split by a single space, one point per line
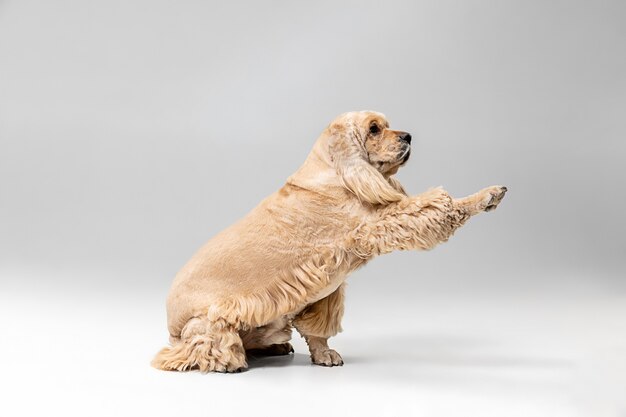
84 350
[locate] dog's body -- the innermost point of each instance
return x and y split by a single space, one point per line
284 264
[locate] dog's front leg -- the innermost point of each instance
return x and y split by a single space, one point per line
419 222
319 321
486 199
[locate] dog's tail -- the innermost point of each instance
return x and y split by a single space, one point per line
217 350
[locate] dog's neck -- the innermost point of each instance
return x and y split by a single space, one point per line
318 173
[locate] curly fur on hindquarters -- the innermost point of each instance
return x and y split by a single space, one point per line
206 345
285 263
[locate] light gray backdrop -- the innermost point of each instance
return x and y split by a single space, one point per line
132 131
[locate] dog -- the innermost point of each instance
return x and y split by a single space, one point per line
284 264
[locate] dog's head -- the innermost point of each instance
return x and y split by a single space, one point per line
365 153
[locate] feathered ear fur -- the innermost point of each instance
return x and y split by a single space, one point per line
396 184
357 175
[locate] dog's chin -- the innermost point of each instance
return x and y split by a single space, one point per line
404 157
391 167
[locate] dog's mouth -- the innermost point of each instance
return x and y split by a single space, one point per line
404 156
392 164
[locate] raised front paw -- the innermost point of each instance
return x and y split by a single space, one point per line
491 197
327 357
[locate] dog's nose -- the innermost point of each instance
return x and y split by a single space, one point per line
406 137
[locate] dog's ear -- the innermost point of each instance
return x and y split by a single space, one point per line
356 173
396 184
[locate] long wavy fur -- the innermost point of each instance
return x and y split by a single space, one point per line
355 172
285 263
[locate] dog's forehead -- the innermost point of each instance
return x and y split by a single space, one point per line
364 117
372 116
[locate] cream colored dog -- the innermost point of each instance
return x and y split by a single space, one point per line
285 263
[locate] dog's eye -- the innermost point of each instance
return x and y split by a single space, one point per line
374 129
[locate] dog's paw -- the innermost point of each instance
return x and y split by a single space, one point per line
326 357
278 349
492 196
225 368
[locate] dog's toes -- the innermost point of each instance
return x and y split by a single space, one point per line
278 349
284 349
494 196
336 359
327 357
231 369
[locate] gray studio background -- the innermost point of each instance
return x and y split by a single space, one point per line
133 131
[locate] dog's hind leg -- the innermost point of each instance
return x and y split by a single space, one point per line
271 339
319 321
210 346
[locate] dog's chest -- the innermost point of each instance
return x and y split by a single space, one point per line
332 286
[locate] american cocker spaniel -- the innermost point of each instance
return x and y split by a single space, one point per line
285 263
